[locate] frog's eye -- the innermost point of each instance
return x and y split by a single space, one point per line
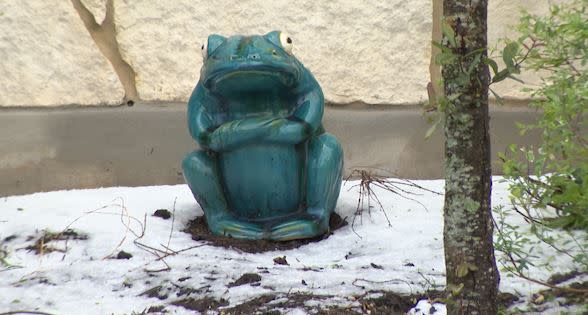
286 42
205 49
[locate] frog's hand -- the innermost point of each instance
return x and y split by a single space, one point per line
305 120
236 133
200 123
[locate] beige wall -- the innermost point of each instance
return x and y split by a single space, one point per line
377 52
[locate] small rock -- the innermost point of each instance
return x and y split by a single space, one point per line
303 282
123 255
10 238
156 309
248 278
281 261
155 292
162 213
182 279
376 266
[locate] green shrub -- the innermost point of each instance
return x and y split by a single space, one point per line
554 174
548 182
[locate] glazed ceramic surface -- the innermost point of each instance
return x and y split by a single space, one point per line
266 168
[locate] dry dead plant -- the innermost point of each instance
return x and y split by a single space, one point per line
368 198
132 226
46 242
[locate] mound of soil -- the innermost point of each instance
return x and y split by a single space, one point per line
199 231
42 243
248 278
269 304
201 305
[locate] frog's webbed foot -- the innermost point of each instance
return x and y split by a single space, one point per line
325 166
228 225
315 224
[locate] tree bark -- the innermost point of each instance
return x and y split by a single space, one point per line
472 276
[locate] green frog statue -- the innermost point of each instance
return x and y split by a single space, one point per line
266 168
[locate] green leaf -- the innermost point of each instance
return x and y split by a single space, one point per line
474 63
499 99
515 70
561 222
516 79
492 64
508 55
476 51
444 49
449 33
456 289
437 44
500 76
445 58
464 268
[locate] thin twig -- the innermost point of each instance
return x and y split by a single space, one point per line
555 287
179 251
515 270
123 213
172 224
354 283
150 249
392 178
367 194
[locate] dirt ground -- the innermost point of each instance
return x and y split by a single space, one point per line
386 303
199 231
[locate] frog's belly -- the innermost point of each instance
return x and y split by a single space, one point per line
263 181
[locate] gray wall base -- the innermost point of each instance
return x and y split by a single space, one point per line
67 148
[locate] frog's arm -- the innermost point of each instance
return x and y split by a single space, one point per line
236 133
305 120
299 126
200 123
225 137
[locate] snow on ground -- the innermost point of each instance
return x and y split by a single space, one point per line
406 257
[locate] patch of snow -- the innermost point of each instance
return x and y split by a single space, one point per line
296 312
408 254
424 307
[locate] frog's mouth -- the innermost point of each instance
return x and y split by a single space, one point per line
251 78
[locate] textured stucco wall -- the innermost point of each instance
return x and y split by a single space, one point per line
503 16
355 50
47 57
374 52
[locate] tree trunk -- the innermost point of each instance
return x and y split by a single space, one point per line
472 276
